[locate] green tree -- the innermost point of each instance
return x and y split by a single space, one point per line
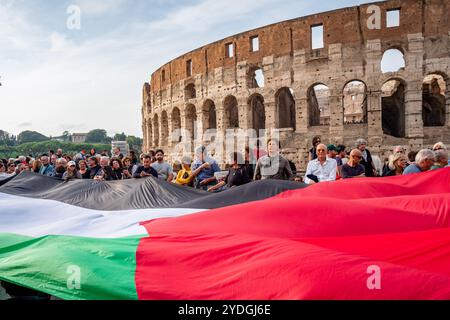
120 137
66 136
38 148
134 142
30 136
98 136
7 139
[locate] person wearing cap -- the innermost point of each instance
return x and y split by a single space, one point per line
332 153
186 176
71 172
322 168
342 155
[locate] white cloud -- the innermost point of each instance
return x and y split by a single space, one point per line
61 83
207 14
25 124
98 7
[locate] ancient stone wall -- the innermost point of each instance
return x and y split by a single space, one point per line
272 78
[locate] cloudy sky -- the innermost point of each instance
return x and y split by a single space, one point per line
56 78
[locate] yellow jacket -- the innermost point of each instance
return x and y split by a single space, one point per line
183 177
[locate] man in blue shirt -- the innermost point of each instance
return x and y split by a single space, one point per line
424 162
47 169
205 178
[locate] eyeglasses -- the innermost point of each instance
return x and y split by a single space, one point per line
321 150
436 149
11 165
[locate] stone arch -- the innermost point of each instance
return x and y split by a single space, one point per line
146 98
255 77
164 129
176 119
434 100
257 113
156 130
354 100
149 136
209 114
230 106
190 92
393 107
319 104
191 120
393 60
285 108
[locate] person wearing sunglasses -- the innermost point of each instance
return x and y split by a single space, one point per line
439 146
312 152
11 168
3 174
353 168
397 164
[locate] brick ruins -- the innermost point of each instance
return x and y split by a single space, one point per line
278 77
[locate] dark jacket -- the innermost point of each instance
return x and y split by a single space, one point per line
107 173
86 175
368 164
117 174
94 170
148 170
239 176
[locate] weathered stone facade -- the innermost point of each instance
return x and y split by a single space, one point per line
211 88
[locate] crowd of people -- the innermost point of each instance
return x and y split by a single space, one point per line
329 163
326 163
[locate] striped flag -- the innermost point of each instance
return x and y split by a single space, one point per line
370 238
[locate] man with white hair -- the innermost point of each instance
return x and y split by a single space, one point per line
105 173
424 161
60 167
46 169
322 168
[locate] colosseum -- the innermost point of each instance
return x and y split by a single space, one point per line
316 75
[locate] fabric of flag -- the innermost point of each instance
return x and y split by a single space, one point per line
368 238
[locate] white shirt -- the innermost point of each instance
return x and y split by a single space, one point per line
325 172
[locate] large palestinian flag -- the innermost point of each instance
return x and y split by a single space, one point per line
379 238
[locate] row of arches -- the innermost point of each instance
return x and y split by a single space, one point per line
392 60
354 103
